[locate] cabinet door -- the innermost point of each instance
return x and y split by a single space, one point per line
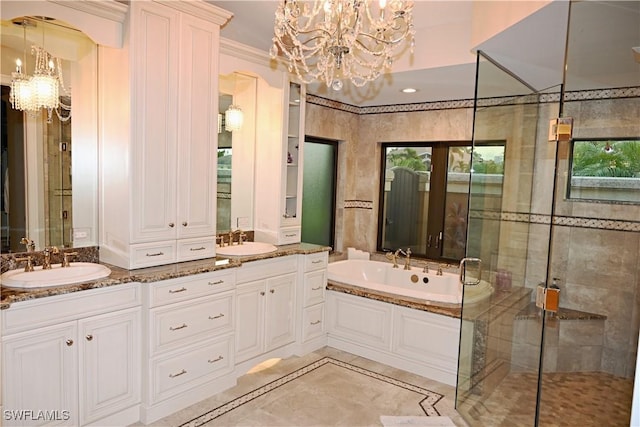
250 311
40 374
109 363
280 318
154 65
198 127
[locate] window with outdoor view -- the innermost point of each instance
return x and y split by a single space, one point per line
605 170
424 194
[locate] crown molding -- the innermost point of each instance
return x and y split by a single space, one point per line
200 9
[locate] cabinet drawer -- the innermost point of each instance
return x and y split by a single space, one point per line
258 270
313 322
61 308
175 374
190 249
316 261
289 235
184 288
315 283
180 324
150 254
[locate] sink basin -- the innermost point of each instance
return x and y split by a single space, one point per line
77 272
246 249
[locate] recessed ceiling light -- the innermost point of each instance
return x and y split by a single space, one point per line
409 90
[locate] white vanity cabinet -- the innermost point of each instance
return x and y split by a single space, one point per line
265 306
312 333
159 162
76 356
279 176
188 347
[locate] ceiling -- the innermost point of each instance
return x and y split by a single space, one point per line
443 65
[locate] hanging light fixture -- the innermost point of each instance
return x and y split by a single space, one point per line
330 40
233 118
42 90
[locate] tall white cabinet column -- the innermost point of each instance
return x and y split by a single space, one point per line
159 100
279 166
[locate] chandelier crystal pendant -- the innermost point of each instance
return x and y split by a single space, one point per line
330 40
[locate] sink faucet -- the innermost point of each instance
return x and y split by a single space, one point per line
29 244
46 263
393 256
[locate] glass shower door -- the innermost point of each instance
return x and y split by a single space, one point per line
508 230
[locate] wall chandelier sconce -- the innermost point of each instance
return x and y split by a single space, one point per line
331 40
42 90
231 120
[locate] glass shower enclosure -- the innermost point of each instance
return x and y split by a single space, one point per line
557 226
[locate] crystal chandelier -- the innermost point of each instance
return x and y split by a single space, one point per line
42 90
331 40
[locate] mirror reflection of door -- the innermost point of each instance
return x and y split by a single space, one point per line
223 217
57 175
12 203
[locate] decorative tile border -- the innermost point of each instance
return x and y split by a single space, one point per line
358 204
584 95
427 404
560 220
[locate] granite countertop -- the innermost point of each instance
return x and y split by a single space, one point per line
446 309
121 276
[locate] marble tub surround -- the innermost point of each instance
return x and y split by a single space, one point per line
446 309
121 276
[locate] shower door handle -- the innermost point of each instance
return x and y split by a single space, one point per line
463 271
438 240
429 241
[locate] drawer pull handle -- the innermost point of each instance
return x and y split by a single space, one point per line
272 291
217 282
316 322
317 288
171 328
182 372
175 291
89 337
290 235
261 292
184 224
318 261
69 342
201 248
155 254
171 225
216 317
217 359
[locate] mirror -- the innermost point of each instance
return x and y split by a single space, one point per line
49 195
236 152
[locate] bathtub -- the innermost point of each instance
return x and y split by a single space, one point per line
382 277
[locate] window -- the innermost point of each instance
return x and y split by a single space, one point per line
424 193
605 170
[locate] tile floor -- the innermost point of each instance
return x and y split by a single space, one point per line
572 399
328 387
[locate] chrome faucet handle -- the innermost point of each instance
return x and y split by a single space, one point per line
29 265
65 258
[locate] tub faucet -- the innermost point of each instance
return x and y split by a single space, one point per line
425 269
407 258
393 256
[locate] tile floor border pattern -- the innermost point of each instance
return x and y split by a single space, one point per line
427 404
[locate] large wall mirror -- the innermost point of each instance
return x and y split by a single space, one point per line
50 170
236 152
49 156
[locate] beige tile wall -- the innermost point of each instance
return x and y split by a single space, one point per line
598 269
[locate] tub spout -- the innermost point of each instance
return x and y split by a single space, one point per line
407 258
393 256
